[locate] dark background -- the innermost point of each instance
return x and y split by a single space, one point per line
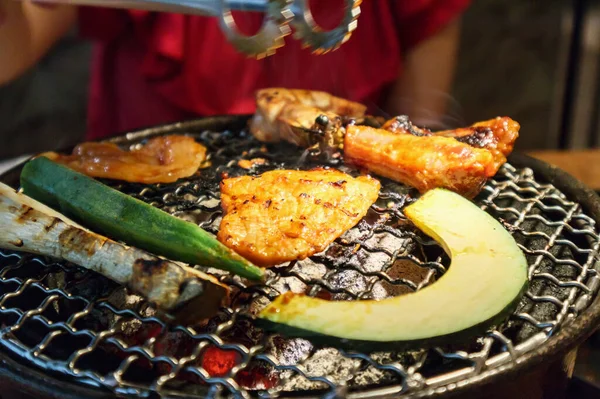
536 62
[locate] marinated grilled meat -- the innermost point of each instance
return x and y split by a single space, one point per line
424 162
161 160
460 160
302 117
286 215
496 135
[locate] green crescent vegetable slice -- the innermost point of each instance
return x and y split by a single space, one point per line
485 281
122 217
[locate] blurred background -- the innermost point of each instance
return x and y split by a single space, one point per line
537 62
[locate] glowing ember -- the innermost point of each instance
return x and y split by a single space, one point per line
219 362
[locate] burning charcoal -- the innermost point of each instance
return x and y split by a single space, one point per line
340 267
258 376
371 374
218 362
175 344
119 299
404 269
290 351
56 280
258 304
325 362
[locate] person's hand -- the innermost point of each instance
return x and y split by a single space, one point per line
40 3
27 32
44 3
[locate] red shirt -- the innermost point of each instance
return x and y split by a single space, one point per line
152 68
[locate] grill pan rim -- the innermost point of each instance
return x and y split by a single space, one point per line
559 344
33 381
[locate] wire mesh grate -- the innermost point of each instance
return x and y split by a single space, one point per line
78 325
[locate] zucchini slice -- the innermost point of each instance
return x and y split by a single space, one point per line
485 281
122 217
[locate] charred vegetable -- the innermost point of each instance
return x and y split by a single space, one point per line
125 218
30 226
485 281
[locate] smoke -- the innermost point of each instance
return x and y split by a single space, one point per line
442 110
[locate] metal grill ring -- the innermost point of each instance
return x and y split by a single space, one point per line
79 326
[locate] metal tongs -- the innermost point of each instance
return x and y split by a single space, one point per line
279 15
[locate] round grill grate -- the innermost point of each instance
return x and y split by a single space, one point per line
78 325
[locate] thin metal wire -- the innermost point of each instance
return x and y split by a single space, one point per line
63 319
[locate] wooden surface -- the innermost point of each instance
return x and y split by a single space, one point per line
583 165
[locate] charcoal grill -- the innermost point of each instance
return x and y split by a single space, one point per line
66 332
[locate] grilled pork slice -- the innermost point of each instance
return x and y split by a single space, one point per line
162 159
424 162
285 215
30 226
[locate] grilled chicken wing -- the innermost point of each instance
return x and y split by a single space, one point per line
162 159
285 215
460 160
424 162
495 135
291 115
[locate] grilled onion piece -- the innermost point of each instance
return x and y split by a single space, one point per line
162 159
30 226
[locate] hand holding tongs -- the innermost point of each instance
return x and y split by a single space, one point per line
279 15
